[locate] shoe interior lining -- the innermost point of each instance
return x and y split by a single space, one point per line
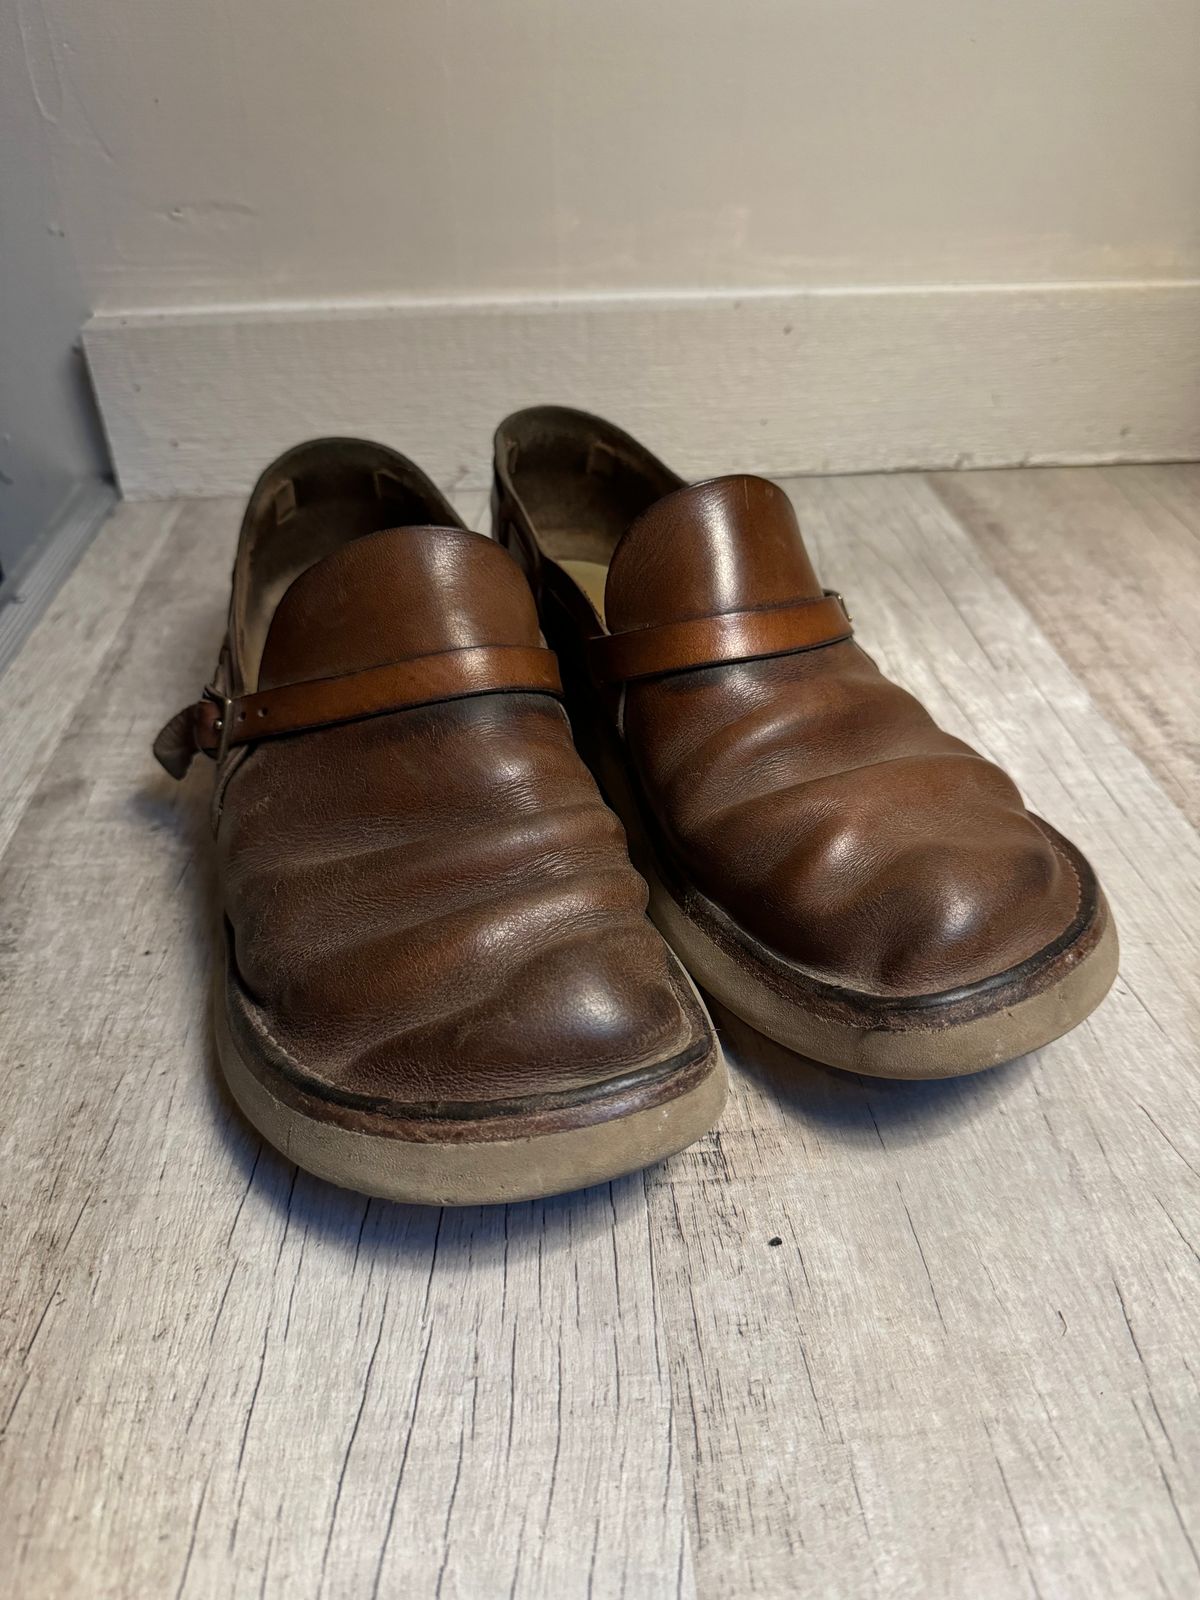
581 482
310 503
592 577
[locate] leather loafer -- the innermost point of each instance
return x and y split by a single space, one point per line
438 981
830 865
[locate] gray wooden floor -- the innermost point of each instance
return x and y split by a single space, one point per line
866 1340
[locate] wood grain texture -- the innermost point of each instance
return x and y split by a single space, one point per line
45 682
968 1365
1123 611
815 380
26 591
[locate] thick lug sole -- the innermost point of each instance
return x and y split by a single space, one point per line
488 1168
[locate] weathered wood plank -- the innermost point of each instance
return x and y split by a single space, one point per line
1108 562
44 683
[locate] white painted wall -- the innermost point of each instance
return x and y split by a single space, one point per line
269 204
48 438
211 153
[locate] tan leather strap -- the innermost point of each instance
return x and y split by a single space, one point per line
731 636
215 724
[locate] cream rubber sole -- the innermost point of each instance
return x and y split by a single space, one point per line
930 1047
467 1172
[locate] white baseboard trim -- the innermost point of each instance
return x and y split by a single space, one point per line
26 596
197 402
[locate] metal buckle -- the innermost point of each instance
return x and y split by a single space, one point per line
221 723
836 594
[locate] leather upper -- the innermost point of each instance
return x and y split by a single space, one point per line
431 909
731 544
811 800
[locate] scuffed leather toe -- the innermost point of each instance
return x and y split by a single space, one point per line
491 948
600 1005
888 880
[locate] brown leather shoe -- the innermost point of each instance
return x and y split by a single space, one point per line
439 982
830 865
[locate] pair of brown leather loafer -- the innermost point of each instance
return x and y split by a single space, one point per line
439 982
